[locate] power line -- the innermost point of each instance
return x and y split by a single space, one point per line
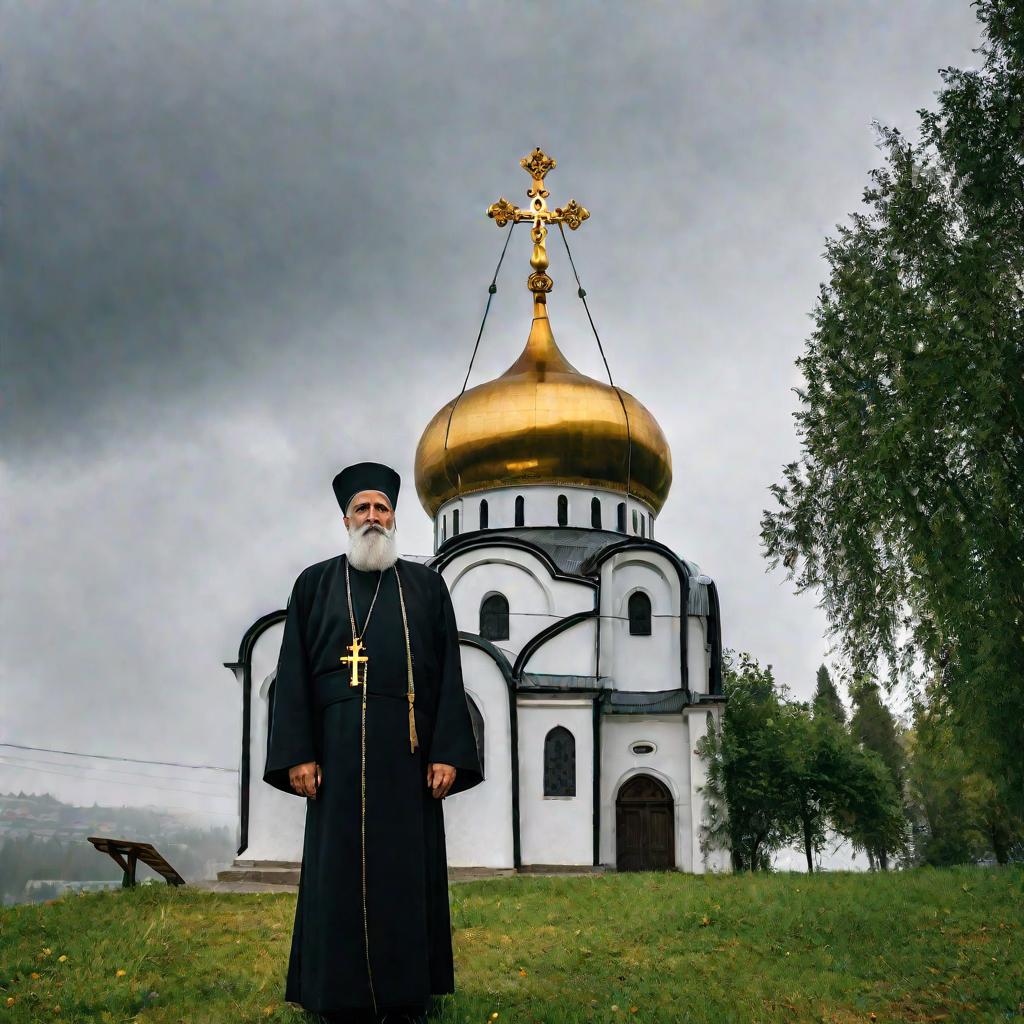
133 760
117 771
6 762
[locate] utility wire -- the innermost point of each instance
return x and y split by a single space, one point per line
7 762
111 757
90 768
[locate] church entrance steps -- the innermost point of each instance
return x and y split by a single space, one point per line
269 872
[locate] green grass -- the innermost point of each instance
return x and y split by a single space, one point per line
908 946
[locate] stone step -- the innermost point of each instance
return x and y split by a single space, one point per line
266 872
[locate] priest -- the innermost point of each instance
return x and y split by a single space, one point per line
369 724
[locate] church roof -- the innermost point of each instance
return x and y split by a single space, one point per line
576 551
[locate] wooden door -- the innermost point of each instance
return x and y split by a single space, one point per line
644 826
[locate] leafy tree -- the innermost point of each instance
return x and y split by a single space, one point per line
826 698
960 813
905 507
750 806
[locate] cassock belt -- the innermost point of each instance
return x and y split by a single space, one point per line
332 686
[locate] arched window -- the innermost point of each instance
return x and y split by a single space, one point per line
563 510
643 525
559 762
455 523
483 513
520 510
478 728
634 521
639 614
494 617
595 513
620 517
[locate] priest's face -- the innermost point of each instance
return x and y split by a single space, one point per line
370 508
371 532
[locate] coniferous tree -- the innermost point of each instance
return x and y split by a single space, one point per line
826 698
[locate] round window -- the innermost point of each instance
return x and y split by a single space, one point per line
643 747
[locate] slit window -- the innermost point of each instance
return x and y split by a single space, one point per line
563 510
559 762
520 510
483 513
494 617
639 614
455 523
620 517
595 513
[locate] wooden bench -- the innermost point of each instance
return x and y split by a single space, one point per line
127 853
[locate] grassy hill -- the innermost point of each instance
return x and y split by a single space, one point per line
911 946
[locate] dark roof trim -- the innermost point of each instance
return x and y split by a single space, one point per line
539 639
469 542
245 648
715 631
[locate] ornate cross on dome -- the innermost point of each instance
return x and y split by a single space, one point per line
537 165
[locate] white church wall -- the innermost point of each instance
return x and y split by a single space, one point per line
697 656
640 662
540 508
572 652
478 823
670 763
276 819
535 600
555 830
698 720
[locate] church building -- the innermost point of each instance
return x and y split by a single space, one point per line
591 651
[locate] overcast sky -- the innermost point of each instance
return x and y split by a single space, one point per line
246 244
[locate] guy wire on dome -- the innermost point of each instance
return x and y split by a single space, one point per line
537 165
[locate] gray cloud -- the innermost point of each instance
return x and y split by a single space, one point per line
245 244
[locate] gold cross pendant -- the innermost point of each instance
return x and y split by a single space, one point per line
358 661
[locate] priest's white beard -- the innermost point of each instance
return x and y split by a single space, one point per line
372 548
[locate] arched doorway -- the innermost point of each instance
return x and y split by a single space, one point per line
644 826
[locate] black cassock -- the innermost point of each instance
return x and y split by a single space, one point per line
401 952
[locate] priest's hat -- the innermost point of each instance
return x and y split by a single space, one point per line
366 476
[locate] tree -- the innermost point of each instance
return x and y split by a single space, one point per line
750 806
826 699
905 507
960 813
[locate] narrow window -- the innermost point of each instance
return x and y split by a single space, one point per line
634 521
563 510
643 525
595 513
520 510
444 528
639 614
477 721
559 762
620 517
650 527
494 617
455 523
483 513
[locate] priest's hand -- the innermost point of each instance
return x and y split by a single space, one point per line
305 778
440 778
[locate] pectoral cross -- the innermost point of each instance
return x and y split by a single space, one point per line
537 165
357 661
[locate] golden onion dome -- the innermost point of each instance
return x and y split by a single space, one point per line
543 422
